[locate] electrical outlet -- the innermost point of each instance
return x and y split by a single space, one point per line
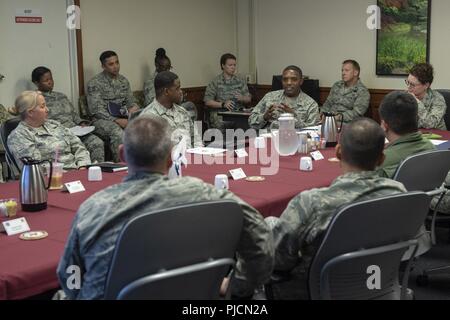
248 77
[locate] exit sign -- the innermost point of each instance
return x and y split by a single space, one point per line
28 16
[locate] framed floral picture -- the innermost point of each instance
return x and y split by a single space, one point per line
404 37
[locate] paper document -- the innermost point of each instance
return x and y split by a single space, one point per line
81 131
437 142
206 151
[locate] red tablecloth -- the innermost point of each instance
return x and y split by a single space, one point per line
28 268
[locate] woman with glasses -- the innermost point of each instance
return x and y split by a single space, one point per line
163 63
431 103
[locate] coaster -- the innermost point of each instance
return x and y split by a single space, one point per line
334 160
255 179
33 235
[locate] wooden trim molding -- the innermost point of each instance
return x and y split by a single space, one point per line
376 96
80 57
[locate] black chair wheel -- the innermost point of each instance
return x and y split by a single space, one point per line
422 280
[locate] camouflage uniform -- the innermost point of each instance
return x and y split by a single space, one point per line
444 206
41 144
103 89
100 219
149 89
221 89
298 232
352 102
62 110
306 110
149 95
432 109
179 121
4 115
400 149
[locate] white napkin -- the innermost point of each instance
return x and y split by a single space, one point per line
178 159
81 131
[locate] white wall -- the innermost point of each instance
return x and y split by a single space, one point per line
318 35
195 34
26 46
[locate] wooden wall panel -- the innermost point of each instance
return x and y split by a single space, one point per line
258 91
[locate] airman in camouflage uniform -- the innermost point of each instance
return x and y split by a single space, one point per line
305 108
41 144
149 94
100 219
62 110
299 230
179 121
352 102
221 89
109 86
432 109
432 106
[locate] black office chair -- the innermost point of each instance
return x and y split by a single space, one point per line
309 86
5 129
426 172
373 233
177 253
446 94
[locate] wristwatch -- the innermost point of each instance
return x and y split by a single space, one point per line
223 104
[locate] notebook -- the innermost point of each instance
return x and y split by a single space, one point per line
111 167
116 110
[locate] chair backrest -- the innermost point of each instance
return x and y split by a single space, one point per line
369 233
309 86
162 244
5 129
446 94
202 280
424 171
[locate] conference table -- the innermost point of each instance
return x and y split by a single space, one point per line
28 268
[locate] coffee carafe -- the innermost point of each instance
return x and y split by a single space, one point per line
33 189
330 130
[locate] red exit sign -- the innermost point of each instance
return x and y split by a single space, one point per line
28 19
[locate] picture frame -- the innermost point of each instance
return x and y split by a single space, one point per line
404 37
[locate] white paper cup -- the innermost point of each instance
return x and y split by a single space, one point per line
221 181
306 164
95 174
260 143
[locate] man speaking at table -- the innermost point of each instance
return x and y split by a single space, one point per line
289 100
99 220
298 231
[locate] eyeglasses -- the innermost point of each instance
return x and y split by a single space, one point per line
410 84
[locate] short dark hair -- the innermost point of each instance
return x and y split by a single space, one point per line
424 72
38 73
164 80
294 68
400 111
147 141
355 65
362 143
106 55
225 57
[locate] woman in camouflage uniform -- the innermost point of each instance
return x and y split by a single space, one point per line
39 138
